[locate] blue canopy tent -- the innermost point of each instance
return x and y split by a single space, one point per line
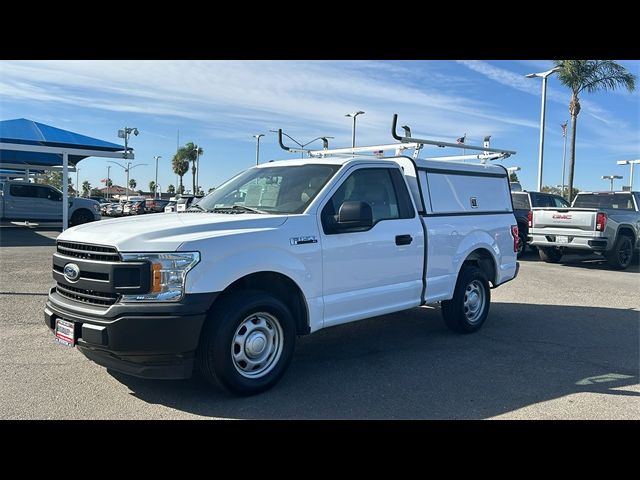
27 145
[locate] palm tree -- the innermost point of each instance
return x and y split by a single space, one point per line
171 188
589 76
86 188
132 184
152 187
192 152
180 165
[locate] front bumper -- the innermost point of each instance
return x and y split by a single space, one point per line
149 340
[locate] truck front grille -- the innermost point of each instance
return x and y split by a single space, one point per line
86 296
88 252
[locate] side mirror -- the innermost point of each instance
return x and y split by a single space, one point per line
355 216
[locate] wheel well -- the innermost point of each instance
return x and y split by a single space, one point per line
628 232
482 259
281 287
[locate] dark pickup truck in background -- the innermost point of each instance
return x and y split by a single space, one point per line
523 202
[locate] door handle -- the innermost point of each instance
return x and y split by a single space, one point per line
403 239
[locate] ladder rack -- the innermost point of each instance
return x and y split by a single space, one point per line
407 142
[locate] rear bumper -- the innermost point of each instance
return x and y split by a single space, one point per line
595 244
144 340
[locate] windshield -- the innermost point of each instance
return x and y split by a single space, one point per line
275 190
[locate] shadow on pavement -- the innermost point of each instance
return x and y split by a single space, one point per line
592 261
409 366
26 236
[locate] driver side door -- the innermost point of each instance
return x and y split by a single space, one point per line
379 269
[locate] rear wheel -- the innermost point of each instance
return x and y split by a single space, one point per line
247 343
622 253
467 311
550 254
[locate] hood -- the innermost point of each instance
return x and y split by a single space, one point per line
165 232
85 202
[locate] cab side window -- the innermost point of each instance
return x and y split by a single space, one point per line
23 191
375 187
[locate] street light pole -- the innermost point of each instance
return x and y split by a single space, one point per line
257 137
124 133
564 154
544 76
353 128
611 178
77 181
631 163
155 190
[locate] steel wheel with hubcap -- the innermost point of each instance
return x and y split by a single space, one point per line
257 345
247 342
467 311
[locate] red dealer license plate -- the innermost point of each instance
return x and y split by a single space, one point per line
65 332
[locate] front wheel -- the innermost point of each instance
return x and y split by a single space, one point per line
81 216
622 253
550 254
467 311
247 343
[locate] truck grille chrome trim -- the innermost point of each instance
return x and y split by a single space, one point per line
88 252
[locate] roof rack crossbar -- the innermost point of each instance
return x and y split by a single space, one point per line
438 143
370 148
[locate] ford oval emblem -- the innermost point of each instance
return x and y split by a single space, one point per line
71 272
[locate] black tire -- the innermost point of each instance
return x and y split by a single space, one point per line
522 245
215 358
619 258
456 313
550 254
81 216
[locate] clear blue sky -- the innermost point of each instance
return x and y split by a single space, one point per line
220 104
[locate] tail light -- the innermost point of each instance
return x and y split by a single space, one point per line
516 238
530 218
601 221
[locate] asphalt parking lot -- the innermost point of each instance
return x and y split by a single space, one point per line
562 342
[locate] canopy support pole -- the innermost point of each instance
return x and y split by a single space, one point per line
65 191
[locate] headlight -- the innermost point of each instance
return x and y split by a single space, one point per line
168 274
96 207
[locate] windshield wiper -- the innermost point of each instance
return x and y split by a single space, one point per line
197 206
238 209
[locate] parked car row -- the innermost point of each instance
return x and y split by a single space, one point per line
141 205
605 223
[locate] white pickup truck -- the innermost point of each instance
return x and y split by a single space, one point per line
606 223
283 249
20 200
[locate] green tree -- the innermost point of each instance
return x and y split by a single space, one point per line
95 192
171 189
589 76
152 187
86 188
132 183
192 152
109 183
513 177
180 165
55 180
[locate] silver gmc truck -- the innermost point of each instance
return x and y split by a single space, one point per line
607 223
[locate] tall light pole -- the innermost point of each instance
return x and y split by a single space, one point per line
155 191
77 181
325 141
127 169
257 137
353 128
611 178
544 76
564 154
125 133
631 163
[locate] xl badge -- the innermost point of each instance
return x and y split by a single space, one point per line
71 272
